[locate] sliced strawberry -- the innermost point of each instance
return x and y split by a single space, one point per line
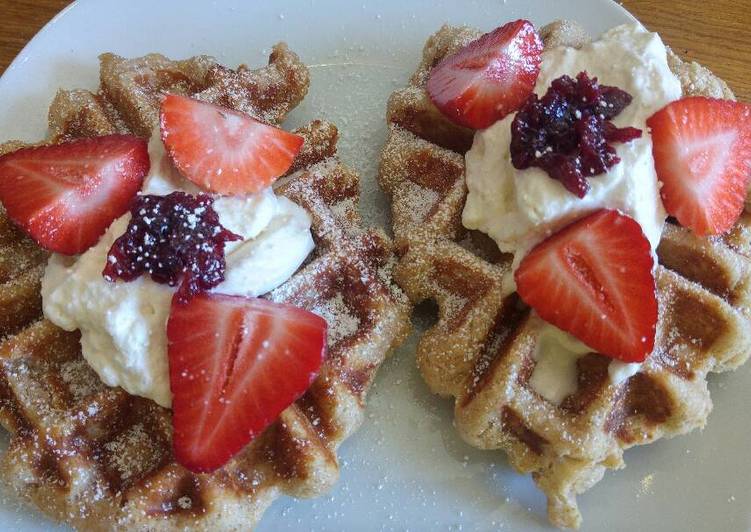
593 279
490 77
702 153
235 364
65 196
222 150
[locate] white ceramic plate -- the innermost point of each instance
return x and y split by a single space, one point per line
406 468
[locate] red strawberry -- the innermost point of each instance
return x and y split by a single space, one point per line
594 279
490 77
702 152
65 196
222 150
235 364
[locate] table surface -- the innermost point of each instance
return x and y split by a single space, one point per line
716 33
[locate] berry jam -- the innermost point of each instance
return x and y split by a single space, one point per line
568 132
176 239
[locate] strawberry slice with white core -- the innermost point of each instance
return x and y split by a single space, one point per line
224 151
65 196
235 364
489 78
702 153
594 280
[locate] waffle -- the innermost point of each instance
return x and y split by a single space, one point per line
480 351
99 459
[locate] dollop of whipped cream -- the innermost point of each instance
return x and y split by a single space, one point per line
520 208
556 354
123 324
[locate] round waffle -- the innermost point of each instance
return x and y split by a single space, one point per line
98 458
481 349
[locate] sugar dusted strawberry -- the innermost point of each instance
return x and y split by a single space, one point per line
65 196
594 280
490 77
235 364
224 151
702 153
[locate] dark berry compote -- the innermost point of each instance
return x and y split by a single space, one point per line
176 239
568 131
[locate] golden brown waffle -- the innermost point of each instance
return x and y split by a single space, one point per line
481 349
98 458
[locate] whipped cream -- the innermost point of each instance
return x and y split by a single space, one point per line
520 208
123 324
556 354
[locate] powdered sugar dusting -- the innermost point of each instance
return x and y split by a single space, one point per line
421 200
341 320
80 379
132 452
